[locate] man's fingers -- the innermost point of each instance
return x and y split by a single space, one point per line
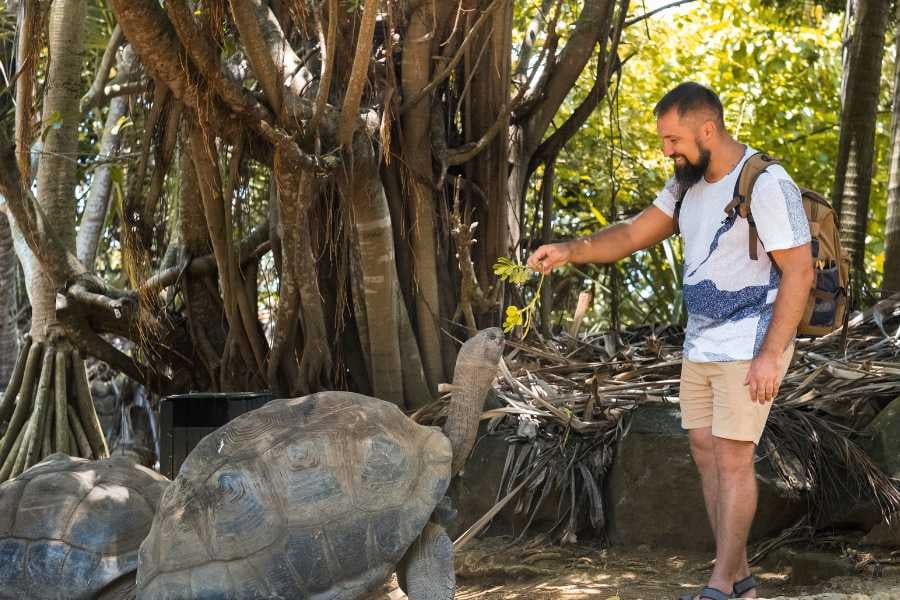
539 260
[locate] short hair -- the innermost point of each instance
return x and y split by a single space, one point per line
691 97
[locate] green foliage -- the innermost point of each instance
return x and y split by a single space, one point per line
507 270
776 67
516 274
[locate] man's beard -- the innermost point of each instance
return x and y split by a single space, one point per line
689 173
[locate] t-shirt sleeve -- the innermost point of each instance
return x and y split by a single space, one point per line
665 200
778 211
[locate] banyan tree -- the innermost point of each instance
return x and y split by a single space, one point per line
170 170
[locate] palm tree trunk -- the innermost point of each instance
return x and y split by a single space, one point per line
891 282
856 148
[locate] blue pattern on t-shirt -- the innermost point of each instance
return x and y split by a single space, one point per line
707 300
796 215
727 224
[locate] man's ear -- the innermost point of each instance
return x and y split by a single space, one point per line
709 129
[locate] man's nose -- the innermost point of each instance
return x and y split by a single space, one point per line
667 149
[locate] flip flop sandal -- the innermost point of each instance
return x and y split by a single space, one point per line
708 593
744 585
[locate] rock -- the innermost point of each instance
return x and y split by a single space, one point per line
654 489
474 492
881 441
883 435
886 534
854 514
809 567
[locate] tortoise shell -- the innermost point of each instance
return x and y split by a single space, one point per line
70 526
313 497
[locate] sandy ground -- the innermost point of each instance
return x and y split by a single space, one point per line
491 569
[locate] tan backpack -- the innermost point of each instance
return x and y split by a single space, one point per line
828 303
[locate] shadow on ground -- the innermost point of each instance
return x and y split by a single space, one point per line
492 569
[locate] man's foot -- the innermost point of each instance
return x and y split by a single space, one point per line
746 587
708 593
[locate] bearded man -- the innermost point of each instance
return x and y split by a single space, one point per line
743 311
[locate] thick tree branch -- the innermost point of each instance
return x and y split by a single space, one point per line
202 51
538 22
272 51
591 26
154 39
274 61
358 74
31 24
96 91
607 63
438 79
59 262
83 336
328 49
241 324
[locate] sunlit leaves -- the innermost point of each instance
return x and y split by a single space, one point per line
507 270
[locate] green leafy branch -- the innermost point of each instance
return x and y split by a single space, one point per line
517 274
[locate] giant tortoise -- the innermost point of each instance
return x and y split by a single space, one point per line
71 528
318 497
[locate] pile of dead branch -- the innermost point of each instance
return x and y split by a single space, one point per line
560 403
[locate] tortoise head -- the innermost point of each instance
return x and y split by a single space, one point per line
476 366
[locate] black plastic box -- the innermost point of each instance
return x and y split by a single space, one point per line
185 419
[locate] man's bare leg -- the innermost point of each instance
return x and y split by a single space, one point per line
704 457
736 498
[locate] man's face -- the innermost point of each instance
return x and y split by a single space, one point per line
682 142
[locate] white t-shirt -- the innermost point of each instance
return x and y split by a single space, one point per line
730 297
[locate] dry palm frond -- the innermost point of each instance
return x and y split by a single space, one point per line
811 450
562 399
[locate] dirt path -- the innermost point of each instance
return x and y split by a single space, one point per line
490 570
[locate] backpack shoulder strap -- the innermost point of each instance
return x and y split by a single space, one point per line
679 199
750 172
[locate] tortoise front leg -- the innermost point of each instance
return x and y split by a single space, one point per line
426 570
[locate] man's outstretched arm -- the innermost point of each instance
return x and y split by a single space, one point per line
608 245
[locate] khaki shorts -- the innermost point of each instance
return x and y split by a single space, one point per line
713 394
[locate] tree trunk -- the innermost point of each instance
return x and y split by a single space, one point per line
856 148
50 375
416 146
490 74
8 307
97 206
891 282
203 307
377 282
56 175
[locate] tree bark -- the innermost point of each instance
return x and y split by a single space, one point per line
95 210
416 147
360 186
891 282
8 307
490 171
856 146
56 176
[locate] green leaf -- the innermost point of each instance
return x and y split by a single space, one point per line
507 270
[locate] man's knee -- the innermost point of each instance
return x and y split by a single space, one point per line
733 457
702 446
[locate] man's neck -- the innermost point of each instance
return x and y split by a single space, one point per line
724 160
